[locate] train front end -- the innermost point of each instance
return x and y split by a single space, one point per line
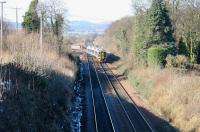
99 53
102 56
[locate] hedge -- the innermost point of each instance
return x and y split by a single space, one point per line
157 55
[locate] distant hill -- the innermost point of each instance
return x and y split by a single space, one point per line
13 25
77 27
87 27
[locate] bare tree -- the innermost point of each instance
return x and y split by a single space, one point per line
54 19
51 9
140 6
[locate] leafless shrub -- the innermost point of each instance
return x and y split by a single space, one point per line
25 50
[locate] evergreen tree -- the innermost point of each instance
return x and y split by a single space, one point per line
182 48
151 28
31 20
139 38
159 30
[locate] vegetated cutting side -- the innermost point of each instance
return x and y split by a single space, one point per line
170 83
37 72
36 87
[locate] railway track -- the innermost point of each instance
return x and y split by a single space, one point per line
124 123
128 117
103 121
133 113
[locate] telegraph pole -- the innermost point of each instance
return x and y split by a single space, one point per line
41 31
16 13
1 50
2 2
41 12
17 28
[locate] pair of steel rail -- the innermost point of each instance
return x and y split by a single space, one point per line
107 71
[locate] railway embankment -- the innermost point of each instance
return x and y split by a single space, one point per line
168 93
36 87
171 92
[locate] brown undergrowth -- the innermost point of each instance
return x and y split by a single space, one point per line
36 84
172 92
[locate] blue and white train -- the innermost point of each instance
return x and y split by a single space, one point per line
99 53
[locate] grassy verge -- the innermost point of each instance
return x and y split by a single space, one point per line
175 94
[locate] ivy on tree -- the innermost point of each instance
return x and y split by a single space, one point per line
58 28
31 20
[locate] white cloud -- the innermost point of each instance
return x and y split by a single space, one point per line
9 11
99 10
91 10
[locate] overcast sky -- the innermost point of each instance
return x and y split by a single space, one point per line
90 10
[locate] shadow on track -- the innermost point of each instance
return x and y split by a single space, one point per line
111 58
157 123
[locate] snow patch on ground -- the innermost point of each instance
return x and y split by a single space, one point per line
77 109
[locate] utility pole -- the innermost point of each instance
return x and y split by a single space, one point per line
17 28
1 50
40 9
16 13
2 2
41 32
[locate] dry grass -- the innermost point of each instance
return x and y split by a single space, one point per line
39 96
176 95
24 49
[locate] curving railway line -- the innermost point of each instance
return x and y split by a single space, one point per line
136 117
113 108
103 120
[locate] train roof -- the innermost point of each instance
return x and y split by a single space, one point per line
94 48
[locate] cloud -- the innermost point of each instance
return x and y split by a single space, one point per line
10 12
91 10
99 10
